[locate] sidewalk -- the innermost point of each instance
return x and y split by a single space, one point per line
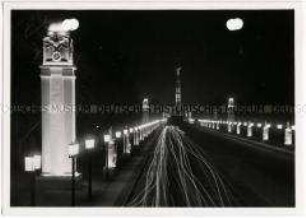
106 192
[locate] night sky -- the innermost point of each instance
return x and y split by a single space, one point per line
123 56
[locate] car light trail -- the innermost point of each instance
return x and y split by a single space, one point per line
180 174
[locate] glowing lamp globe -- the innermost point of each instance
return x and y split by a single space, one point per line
118 134
28 164
89 143
107 138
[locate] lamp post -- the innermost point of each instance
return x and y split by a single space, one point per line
89 146
73 152
107 139
119 143
33 165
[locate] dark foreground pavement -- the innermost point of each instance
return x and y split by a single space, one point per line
260 174
106 191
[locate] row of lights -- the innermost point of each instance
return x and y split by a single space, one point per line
33 163
258 125
214 124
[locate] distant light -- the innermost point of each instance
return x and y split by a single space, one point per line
245 124
131 130
293 127
259 125
89 143
107 138
118 134
279 126
125 132
268 125
191 120
234 24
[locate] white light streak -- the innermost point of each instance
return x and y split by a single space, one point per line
172 155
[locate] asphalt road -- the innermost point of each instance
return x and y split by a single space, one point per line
195 167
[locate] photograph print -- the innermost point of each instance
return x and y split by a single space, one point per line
152 108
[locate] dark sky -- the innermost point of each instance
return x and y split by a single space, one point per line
124 55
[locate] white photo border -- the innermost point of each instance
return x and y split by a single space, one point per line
300 100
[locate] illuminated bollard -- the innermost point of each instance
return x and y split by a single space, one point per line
126 142
119 144
217 126
136 138
229 127
131 137
238 128
141 133
250 130
112 154
288 135
265 132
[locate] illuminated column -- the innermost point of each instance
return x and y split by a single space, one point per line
58 102
145 111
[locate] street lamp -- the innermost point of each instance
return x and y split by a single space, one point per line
33 165
89 146
107 139
73 151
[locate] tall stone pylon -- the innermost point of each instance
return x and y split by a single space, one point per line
58 103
